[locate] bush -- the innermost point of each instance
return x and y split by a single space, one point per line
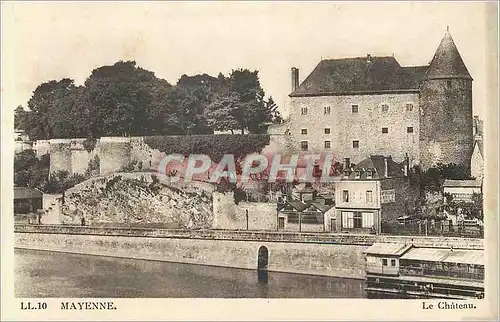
215 146
89 144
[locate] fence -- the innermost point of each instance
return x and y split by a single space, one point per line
438 228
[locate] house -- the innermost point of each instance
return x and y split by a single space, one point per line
22 141
377 189
462 190
310 216
362 106
27 200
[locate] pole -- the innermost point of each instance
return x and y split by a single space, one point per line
300 222
246 213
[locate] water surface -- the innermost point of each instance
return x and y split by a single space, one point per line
54 274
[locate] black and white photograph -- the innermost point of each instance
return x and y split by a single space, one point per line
253 151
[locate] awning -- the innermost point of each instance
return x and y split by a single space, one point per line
387 249
475 257
426 254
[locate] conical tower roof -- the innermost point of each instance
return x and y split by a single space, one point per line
447 62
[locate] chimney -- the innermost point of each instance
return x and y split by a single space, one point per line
295 78
368 58
386 172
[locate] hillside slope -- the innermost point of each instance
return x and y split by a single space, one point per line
139 200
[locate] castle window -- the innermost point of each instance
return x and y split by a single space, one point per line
355 144
448 84
354 108
385 107
369 196
345 195
303 131
327 130
304 145
327 145
385 130
303 111
327 110
409 129
409 107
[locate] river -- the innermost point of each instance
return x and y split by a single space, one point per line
53 274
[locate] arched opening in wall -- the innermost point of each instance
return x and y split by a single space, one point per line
262 262
263 258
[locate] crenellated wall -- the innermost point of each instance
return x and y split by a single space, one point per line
115 153
60 155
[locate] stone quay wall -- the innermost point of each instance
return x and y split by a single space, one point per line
338 255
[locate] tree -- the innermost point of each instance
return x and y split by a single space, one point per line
29 171
41 105
222 112
119 96
20 118
273 109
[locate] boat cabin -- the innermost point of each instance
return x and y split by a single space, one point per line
383 258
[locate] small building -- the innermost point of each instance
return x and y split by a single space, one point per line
383 258
22 141
376 189
311 216
462 190
27 200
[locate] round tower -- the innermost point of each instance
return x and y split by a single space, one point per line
446 109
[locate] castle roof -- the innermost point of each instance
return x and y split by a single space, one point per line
360 75
447 62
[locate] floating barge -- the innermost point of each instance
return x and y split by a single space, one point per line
400 271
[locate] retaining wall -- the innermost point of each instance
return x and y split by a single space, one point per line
304 253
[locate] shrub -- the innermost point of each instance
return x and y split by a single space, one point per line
215 146
89 144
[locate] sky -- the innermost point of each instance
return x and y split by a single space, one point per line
50 40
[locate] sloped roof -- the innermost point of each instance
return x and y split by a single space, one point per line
357 75
377 163
462 256
426 254
387 249
461 183
447 62
301 206
26 193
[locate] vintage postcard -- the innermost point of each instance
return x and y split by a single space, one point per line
249 161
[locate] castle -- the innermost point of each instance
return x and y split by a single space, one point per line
357 107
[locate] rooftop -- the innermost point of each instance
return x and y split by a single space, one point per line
377 165
387 249
360 74
462 183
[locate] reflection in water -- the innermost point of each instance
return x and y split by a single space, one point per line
51 274
262 276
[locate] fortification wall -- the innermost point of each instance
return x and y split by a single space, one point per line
446 131
228 215
80 157
60 155
41 147
114 154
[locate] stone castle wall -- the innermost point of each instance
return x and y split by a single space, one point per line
446 132
117 152
364 126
